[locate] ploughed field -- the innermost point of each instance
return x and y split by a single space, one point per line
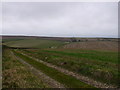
51 63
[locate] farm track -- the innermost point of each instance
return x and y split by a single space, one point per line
77 76
46 79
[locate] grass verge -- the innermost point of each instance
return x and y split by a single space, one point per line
17 75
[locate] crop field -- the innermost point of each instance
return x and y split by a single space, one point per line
34 43
59 63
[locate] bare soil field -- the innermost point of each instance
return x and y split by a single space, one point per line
94 45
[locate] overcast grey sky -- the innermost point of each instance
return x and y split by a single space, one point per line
89 19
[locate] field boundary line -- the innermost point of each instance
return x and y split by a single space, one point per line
39 74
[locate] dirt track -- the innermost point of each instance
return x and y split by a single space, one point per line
46 79
80 77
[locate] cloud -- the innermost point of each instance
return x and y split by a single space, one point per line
93 19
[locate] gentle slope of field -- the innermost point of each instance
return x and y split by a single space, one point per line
35 43
95 59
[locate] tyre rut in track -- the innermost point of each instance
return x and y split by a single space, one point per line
46 79
77 76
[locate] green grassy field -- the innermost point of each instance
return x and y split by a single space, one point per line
97 64
35 43
94 55
101 66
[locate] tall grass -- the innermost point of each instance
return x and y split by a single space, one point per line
16 75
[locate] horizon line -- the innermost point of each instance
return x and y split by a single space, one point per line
63 36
